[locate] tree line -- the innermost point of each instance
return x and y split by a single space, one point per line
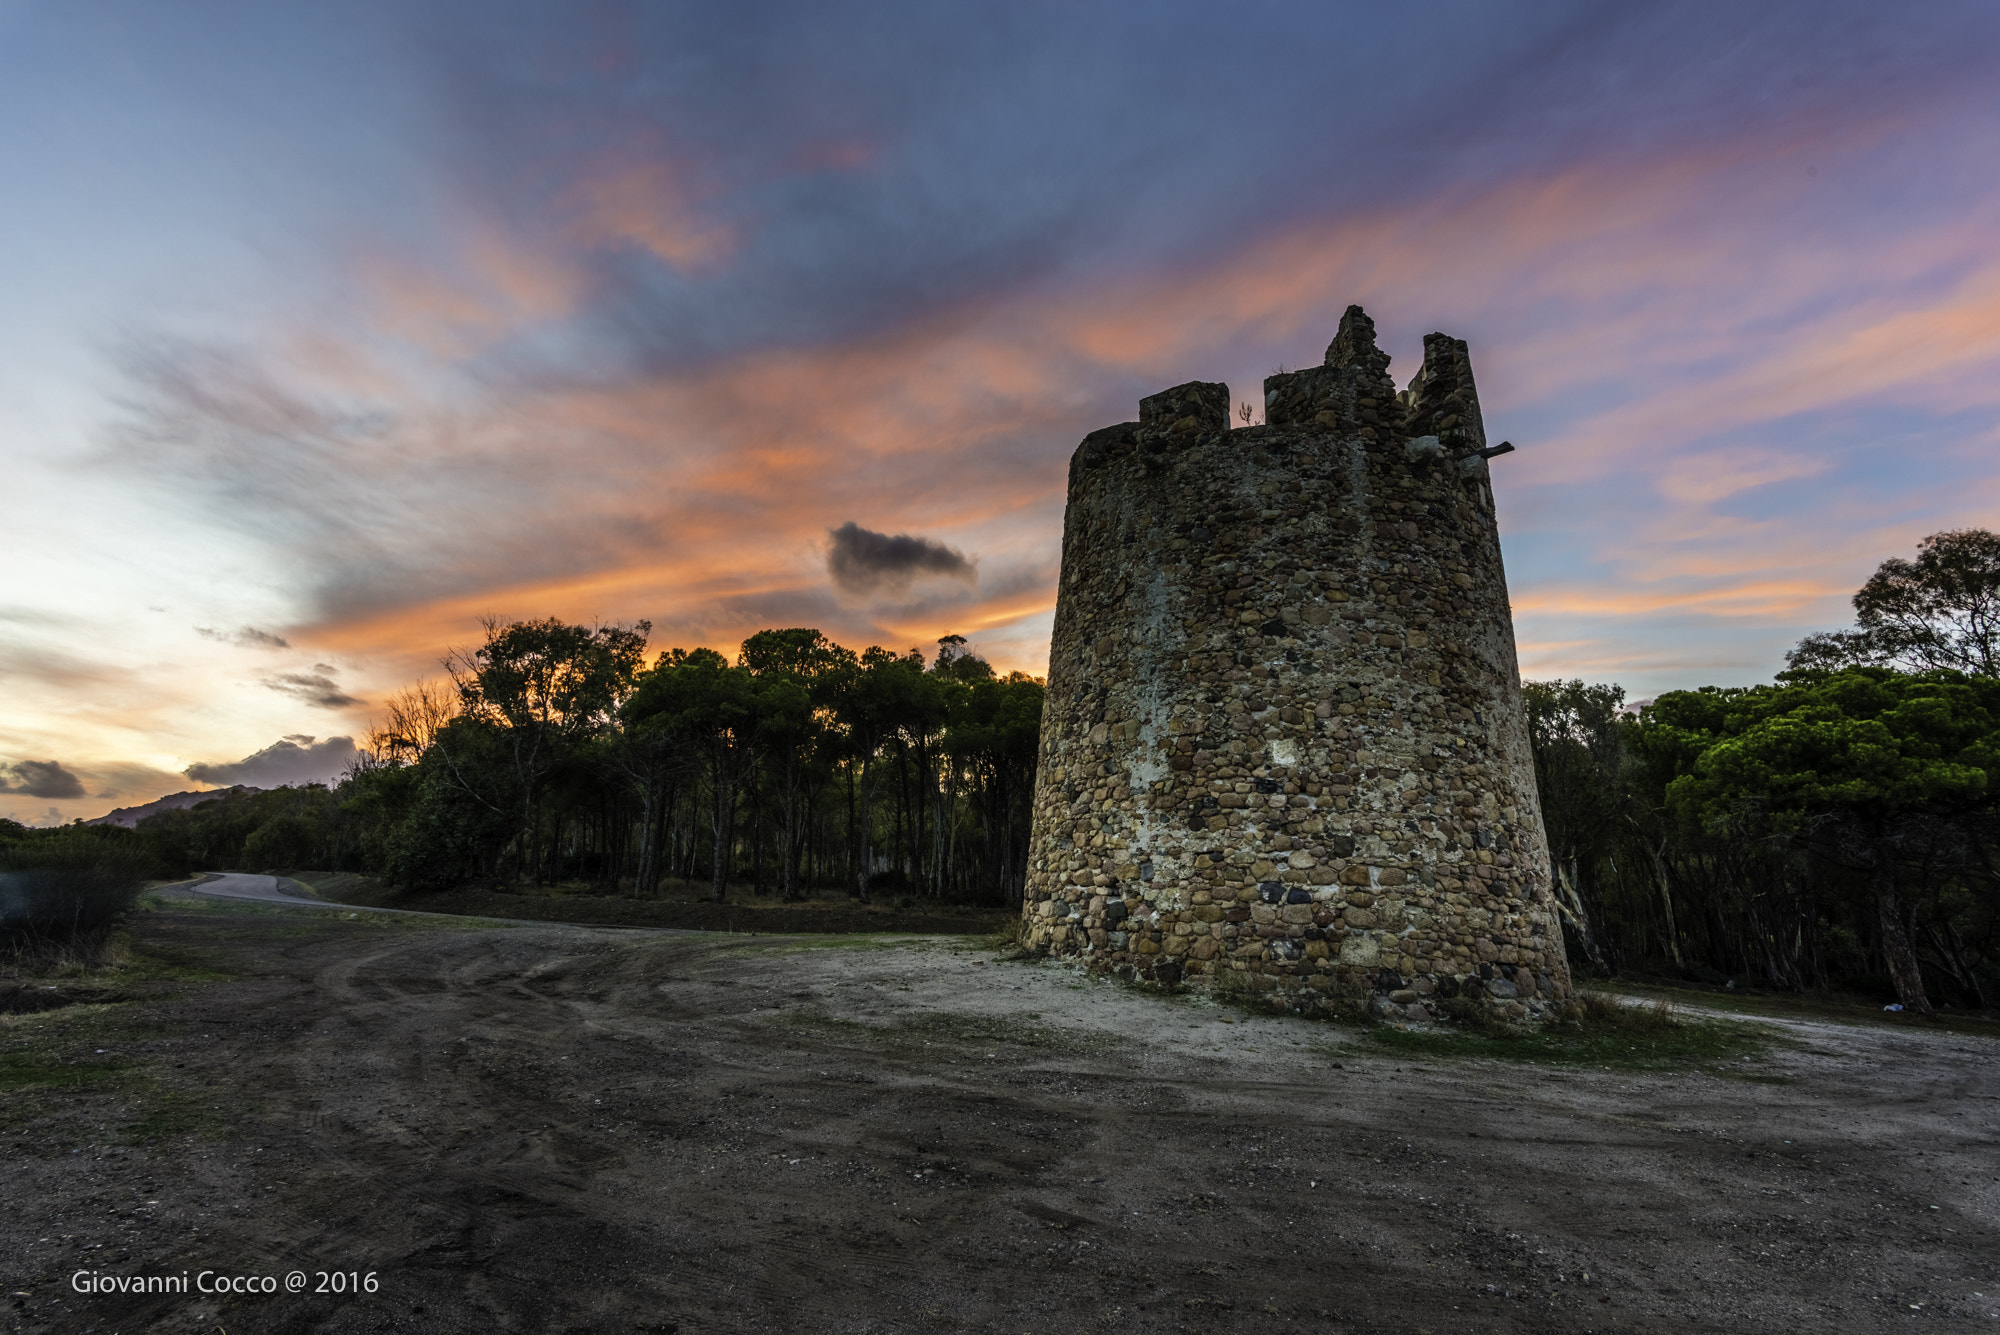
1839 829
557 753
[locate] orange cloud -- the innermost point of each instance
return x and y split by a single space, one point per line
701 496
648 204
1764 599
489 289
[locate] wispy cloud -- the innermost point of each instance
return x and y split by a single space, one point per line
247 637
316 687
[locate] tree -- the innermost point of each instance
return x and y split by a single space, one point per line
1574 732
871 702
1940 611
459 820
548 685
654 749
995 732
1863 767
798 672
696 693
558 750
412 719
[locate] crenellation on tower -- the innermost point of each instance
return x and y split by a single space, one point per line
1184 410
1441 400
1351 394
1283 739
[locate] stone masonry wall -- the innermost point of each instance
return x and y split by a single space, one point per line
1283 737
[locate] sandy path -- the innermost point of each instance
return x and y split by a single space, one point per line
570 1130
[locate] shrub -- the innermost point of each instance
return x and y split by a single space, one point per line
1602 1013
63 892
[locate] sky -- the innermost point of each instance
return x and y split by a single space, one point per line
331 330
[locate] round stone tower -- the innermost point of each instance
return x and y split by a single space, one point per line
1283 738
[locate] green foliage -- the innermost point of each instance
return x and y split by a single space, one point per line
558 754
62 890
1577 736
1867 768
1595 1030
456 809
1941 611
276 829
544 680
1833 830
1863 746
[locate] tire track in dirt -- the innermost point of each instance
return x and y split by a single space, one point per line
561 1129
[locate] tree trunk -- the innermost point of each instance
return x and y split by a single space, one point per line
796 817
864 833
1569 904
1667 903
722 824
655 799
1897 952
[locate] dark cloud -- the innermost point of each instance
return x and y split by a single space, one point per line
39 778
863 562
293 760
247 637
315 688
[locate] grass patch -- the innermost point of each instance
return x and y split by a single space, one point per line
344 887
33 1070
49 1056
73 1074
130 961
1803 1006
301 920
1593 1030
164 1113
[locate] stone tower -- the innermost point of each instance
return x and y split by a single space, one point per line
1283 737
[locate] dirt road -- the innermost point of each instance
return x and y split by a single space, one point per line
541 1129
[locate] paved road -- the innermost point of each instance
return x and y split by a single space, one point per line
263 890
241 885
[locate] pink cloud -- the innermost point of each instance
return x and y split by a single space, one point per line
1607 302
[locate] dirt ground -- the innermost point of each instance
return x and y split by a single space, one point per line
576 1129
679 905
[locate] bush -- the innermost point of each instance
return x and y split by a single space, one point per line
63 892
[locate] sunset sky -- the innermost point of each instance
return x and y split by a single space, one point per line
329 329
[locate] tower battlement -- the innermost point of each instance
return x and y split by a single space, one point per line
1283 737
